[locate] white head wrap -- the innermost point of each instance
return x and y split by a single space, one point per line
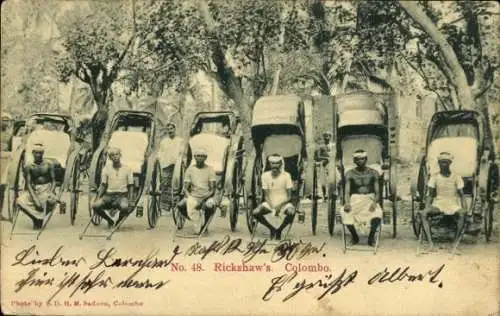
445 156
199 151
360 154
276 159
38 147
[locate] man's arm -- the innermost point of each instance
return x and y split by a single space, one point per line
347 193
376 186
104 184
431 192
130 187
31 190
52 172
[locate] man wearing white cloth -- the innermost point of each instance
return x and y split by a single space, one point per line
171 147
277 186
199 188
362 193
445 195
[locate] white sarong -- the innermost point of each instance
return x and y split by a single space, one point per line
360 213
42 192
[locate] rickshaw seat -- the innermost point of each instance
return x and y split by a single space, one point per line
133 146
373 146
463 149
56 145
287 146
216 147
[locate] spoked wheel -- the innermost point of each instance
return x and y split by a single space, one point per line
332 201
314 213
394 216
235 198
414 223
152 203
488 207
256 194
13 193
75 190
95 218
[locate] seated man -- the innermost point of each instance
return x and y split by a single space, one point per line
116 189
444 193
40 183
277 186
199 189
362 193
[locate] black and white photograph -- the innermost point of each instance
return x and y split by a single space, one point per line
249 157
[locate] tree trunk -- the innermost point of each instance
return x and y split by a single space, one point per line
464 92
230 84
277 73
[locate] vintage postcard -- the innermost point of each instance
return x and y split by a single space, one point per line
235 157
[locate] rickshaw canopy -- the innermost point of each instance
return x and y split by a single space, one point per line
360 108
276 110
215 147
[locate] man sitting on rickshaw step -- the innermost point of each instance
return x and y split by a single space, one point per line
199 190
40 183
362 193
116 189
445 190
277 186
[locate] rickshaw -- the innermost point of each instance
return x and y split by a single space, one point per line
56 132
461 133
278 127
222 132
363 122
135 134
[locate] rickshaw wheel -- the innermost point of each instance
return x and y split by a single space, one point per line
256 194
414 223
235 199
75 191
332 203
488 220
95 218
152 203
13 194
314 211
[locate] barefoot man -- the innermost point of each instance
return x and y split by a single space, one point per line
445 196
116 189
199 189
39 198
277 186
362 193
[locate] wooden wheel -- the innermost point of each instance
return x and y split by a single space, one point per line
256 194
13 193
235 197
414 211
152 203
314 212
332 203
394 199
75 190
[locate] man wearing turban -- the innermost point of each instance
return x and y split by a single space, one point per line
277 186
39 198
362 193
445 195
199 189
